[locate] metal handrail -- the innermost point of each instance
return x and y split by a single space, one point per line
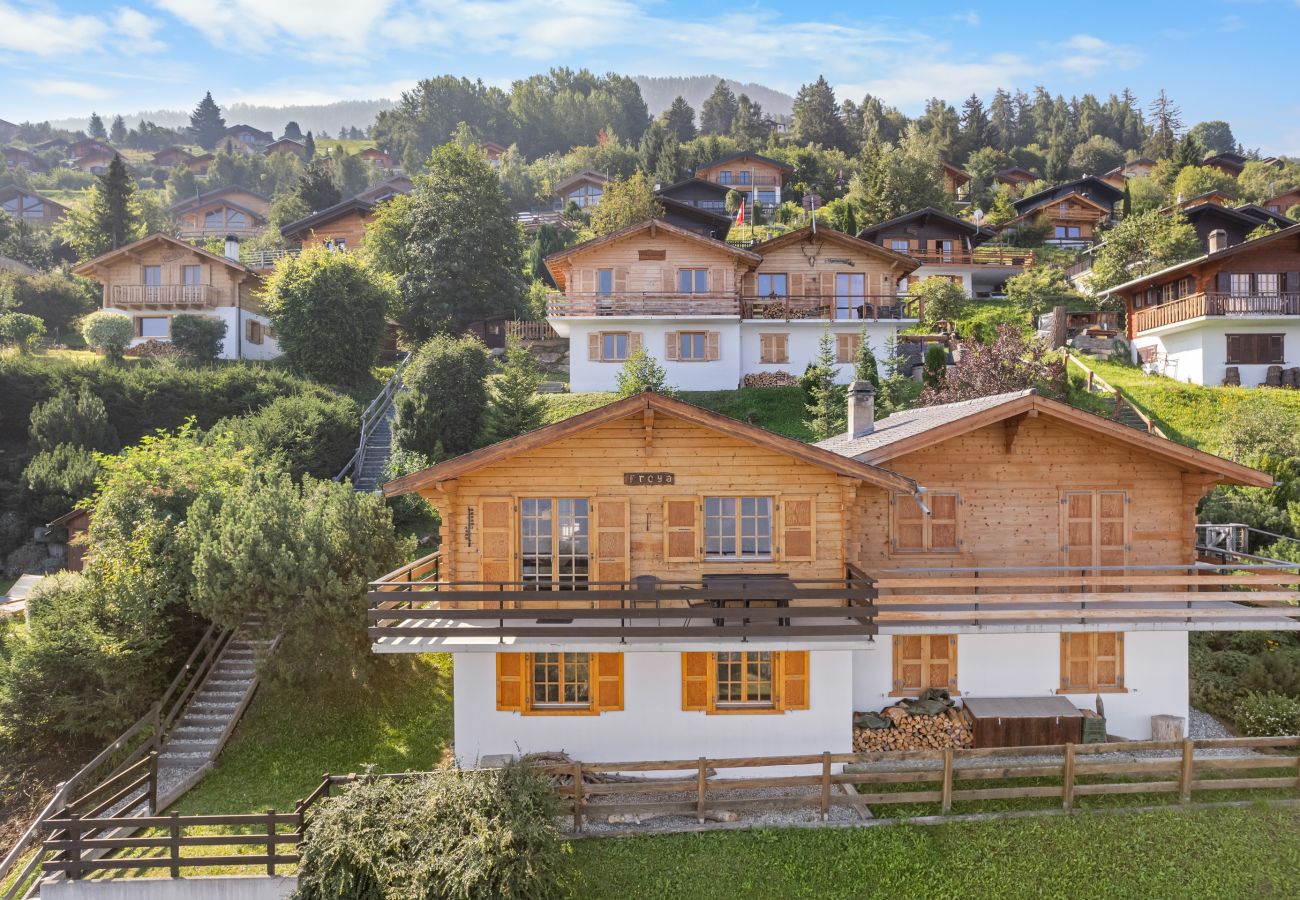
1098 385
374 414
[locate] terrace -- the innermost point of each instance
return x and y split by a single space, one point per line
162 296
835 308
993 257
1203 305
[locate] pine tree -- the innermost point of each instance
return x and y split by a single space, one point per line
975 124
514 407
826 410
206 124
680 119
96 128
316 187
116 188
865 367
1166 123
293 131
309 145
817 115
117 135
1127 206
719 111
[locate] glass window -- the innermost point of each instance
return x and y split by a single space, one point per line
214 219
691 345
235 219
554 542
850 295
152 276
10 207
744 679
613 346
899 244
693 281
604 281
561 679
1267 283
1239 284
773 285
712 204
153 327
767 198
738 526
724 177
191 275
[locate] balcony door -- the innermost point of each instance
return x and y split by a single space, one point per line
1094 528
850 295
152 283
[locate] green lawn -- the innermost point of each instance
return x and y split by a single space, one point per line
779 409
1208 853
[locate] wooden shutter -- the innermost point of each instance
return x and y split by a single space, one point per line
496 516
635 341
717 280
588 279
1291 282
1092 661
695 682
798 529
796 285
943 521
681 529
812 286
666 282
620 280
712 345
909 662
593 346
1079 538
924 661
828 284
795 692
908 523
671 346
843 351
1223 282
781 348
1107 660
613 548
765 351
607 681
1112 528
510 682
1275 348
1236 350
749 284
941 661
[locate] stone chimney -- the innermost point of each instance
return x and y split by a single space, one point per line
232 247
862 408
1218 240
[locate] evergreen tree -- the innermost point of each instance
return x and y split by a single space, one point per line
96 128
316 187
660 154
936 366
112 206
941 125
309 149
817 115
117 136
749 126
642 372
292 131
1126 206
826 409
865 367
975 125
206 123
1166 123
514 407
680 119
719 111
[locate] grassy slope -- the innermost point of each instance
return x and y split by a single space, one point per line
1223 853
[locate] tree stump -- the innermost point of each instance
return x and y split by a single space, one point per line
1167 728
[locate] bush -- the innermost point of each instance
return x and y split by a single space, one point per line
55 480
57 299
1012 362
20 330
1266 715
313 434
329 311
408 509
936 366
642 372
1214 693
108 332
1275 672
939 300
1037 290
198 337
442 409
449 834
79 419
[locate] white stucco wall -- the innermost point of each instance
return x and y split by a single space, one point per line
722 374
805 336
230 348
1199 353
1029 665
652 724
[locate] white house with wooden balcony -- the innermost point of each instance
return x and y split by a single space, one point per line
157 278
651 580
711 313
1230 316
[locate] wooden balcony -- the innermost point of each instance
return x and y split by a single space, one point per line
1195 306
646 303
161 296
994 257
762 181
890 307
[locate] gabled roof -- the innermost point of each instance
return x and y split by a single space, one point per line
699 183
236 129
680 207
956 170
922 216
88 268
397 184
1262 215
578 178
165 151
206 197
1041 207
916 429
286 142
328 214
726 159
1214 196
1237 214
638 404
836 237
1079 185
1245 246
653 226
1228 157
1015 172
8 193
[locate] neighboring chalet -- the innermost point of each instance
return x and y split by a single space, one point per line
225 211
584 189
697 205
670 583
1226 317
159 277
18 158
88 147
172 156
30 207
59 144
712 313
951 248
199 165
1283 202
76 523
1074 210
95 162
956 183
493 151
375 157
1207 216
286 145
249 136
707 195
1230 164
1142 167
1015 177
231 144
343 225
755 177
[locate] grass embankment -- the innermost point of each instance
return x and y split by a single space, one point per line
779 409
1206 853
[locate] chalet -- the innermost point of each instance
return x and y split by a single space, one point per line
1073 211
584 189
159 277
76 524
1142 167
1283 202
697 192
712 313
171 156
1229 164
59 144
286 145
375 157
18 158
1236 223
249 136
756 177
493 151
388 189
88 147
95 162
1226 317
951 248
705 222
1222 198
651 580
230 144
30 207
199 165
343 225
956 183
230 210
1015 177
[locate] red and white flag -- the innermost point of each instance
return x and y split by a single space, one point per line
740 213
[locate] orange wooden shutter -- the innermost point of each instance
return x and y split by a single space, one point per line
828 284
1077 513
607 676
909 662
1076 661
1108 660
496 545
695 682
510 682
909 523
712 345
671 346
620 280
1112 528
588 277
798 528
612 545
717 280
1092 661
941 661
634 342
943 521
666 282
795 693
593 346
781 348
681 529
765 348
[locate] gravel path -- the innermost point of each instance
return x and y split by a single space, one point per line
1203 725
595 823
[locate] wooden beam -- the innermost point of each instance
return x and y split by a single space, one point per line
648 417
1011 428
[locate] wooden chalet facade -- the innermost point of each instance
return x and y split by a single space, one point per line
18 158
343 225
754 176
583 189
30 207
956 183
225 211
172 156
1226 317
375 157
653 580
1283 202
286 145
1073 211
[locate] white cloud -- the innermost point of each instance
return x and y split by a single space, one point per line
80 90
970 18
134 31
1089 55
44 30
314 28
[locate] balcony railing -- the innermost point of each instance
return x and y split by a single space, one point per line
1003 257
754 181
265 259
1195 306
850 309
646 303
172 296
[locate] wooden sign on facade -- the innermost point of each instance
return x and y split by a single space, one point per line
635 478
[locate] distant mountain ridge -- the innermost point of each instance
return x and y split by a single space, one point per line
659 93
327 117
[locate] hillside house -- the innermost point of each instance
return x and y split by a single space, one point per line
956 183
1015 177
249 136
225 211
199 165
1226 317
375 157
650 580
1230 164
30 207
951 248
88 147
493 151
754 177
584 189
286 145
231 144
96 162
1142 167
1073 211
18 158
343 225
712 313
171 156
159 277
699 193
1283 202
1236 222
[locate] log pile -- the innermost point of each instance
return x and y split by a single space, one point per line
770 379
915 732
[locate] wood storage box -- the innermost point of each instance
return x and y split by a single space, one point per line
1024 721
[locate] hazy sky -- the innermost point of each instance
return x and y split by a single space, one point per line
1231 59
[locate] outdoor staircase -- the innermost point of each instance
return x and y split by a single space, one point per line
1127 415
374 456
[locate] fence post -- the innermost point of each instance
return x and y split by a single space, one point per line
175 845
1185 775
270 842
826 785
701 782
577 796
947 780
152 796
1067 778
75 872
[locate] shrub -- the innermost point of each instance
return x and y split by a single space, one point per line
515 407
108 332
408 509
1278 671
445 397
313 434
55 480
79 419
20 330
936 366
1012 362
449 834
641 372
198 337
1266 715
57 299
1214 692
939 300
1037 290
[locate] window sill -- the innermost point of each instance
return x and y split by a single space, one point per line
744 711
739 559
561 711
917 693
1102 690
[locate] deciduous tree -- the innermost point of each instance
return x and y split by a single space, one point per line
1010 362
626 202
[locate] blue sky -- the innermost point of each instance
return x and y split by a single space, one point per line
63 58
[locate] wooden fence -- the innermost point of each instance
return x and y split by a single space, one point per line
531 331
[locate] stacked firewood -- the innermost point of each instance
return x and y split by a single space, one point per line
915 732
770 379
